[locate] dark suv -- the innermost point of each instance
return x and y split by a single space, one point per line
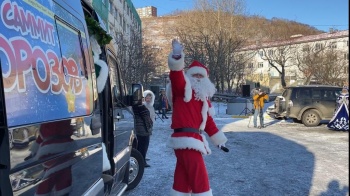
308 104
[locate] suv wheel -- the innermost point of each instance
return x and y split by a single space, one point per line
136 169
311 118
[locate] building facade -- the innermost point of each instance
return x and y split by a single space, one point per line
299 55
147 12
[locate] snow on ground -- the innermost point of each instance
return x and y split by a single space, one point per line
285 158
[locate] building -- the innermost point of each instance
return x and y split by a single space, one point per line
260 57
147 12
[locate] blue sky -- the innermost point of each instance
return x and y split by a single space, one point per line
321 14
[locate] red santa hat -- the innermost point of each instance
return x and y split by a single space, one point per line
197 68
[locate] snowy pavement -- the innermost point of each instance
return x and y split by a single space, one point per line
285 158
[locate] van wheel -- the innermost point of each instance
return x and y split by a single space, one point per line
311 118
136 169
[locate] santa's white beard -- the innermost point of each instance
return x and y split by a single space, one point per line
202 87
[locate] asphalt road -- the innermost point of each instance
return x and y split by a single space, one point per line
282 159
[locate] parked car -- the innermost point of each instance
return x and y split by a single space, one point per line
21 137
308 104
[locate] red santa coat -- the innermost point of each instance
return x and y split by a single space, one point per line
190 113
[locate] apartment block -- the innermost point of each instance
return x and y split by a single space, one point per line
147 12
261 56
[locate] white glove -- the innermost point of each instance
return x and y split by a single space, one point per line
177 47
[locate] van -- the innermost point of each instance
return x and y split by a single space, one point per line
60 134
308 104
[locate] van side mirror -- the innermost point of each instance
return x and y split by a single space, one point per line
137 94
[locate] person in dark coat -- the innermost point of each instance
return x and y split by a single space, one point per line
143 128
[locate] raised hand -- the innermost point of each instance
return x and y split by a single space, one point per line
177 47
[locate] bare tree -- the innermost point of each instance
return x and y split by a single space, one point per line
322 62
279 57
149 63
212 34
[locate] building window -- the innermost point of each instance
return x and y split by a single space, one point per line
270 52
260 65
261 53
251 65
318 46
333 45
116 13
111 7
281 51
346 56
306 48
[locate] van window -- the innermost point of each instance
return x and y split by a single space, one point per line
43 69
114 77
71 49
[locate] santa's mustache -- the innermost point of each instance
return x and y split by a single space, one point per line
202 87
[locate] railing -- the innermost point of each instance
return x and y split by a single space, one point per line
224 96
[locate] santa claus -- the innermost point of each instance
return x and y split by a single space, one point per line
189 95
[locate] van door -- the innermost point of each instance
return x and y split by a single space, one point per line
123 121
48 97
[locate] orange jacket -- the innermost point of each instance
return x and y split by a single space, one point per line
259 100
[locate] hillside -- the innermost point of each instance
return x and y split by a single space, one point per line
158 32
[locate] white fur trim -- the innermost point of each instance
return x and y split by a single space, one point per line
146 92
176 65
102 77
106 164
188 89
64 191
174 192
197 70
204 112
208 193
218 138
169 94
206 144
211 111
96 48
189 143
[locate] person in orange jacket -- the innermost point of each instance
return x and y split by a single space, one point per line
259 100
